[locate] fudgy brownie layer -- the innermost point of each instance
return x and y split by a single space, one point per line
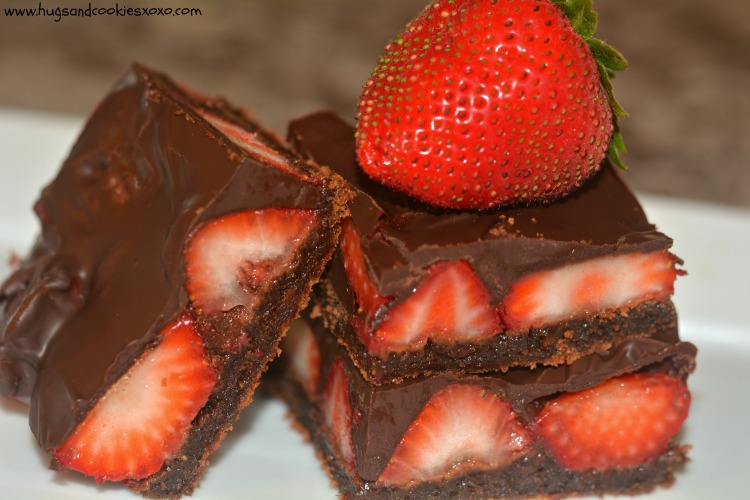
401 240
152 166
401 237
537 475
551 345
385 412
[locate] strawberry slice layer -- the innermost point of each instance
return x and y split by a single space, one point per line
304 355
547 297
461 428
144 417
368 297
624 422
249 141
231 260
450 305
337 413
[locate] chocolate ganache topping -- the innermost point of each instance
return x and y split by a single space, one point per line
401 236
106 273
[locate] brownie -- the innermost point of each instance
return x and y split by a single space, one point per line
552 345
403 240
382 414
154 164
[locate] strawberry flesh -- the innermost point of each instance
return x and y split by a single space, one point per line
303 352
450 305
337 413
461 428
144 417
595 285
231 260
624 422
250 142
357 273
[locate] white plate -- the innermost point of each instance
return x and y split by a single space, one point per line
265 458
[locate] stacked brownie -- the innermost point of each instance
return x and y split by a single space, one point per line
520 351
179 241
497 320
496 323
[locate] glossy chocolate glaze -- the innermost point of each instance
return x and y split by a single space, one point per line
385 412
106 273
400 236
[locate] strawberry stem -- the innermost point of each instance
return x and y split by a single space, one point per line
583 18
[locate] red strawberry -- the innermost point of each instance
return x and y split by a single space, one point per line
337 413
368 297
593 285
304 354
450 305
461 428
229 261
250 142
623 422
143 418
485 103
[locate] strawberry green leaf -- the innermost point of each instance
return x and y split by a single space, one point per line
608 56
616 143
617 146
581 15
583 18
606 78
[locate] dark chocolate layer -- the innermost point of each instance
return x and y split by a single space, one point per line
401 237
106 274
385 412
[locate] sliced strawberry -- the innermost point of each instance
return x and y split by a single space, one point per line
337 413
229 261
250 142
461 428
450 305
594 285
623 422
302 350
368 297
144 417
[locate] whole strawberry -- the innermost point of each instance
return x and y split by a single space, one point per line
481 103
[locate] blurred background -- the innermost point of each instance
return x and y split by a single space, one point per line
687 91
